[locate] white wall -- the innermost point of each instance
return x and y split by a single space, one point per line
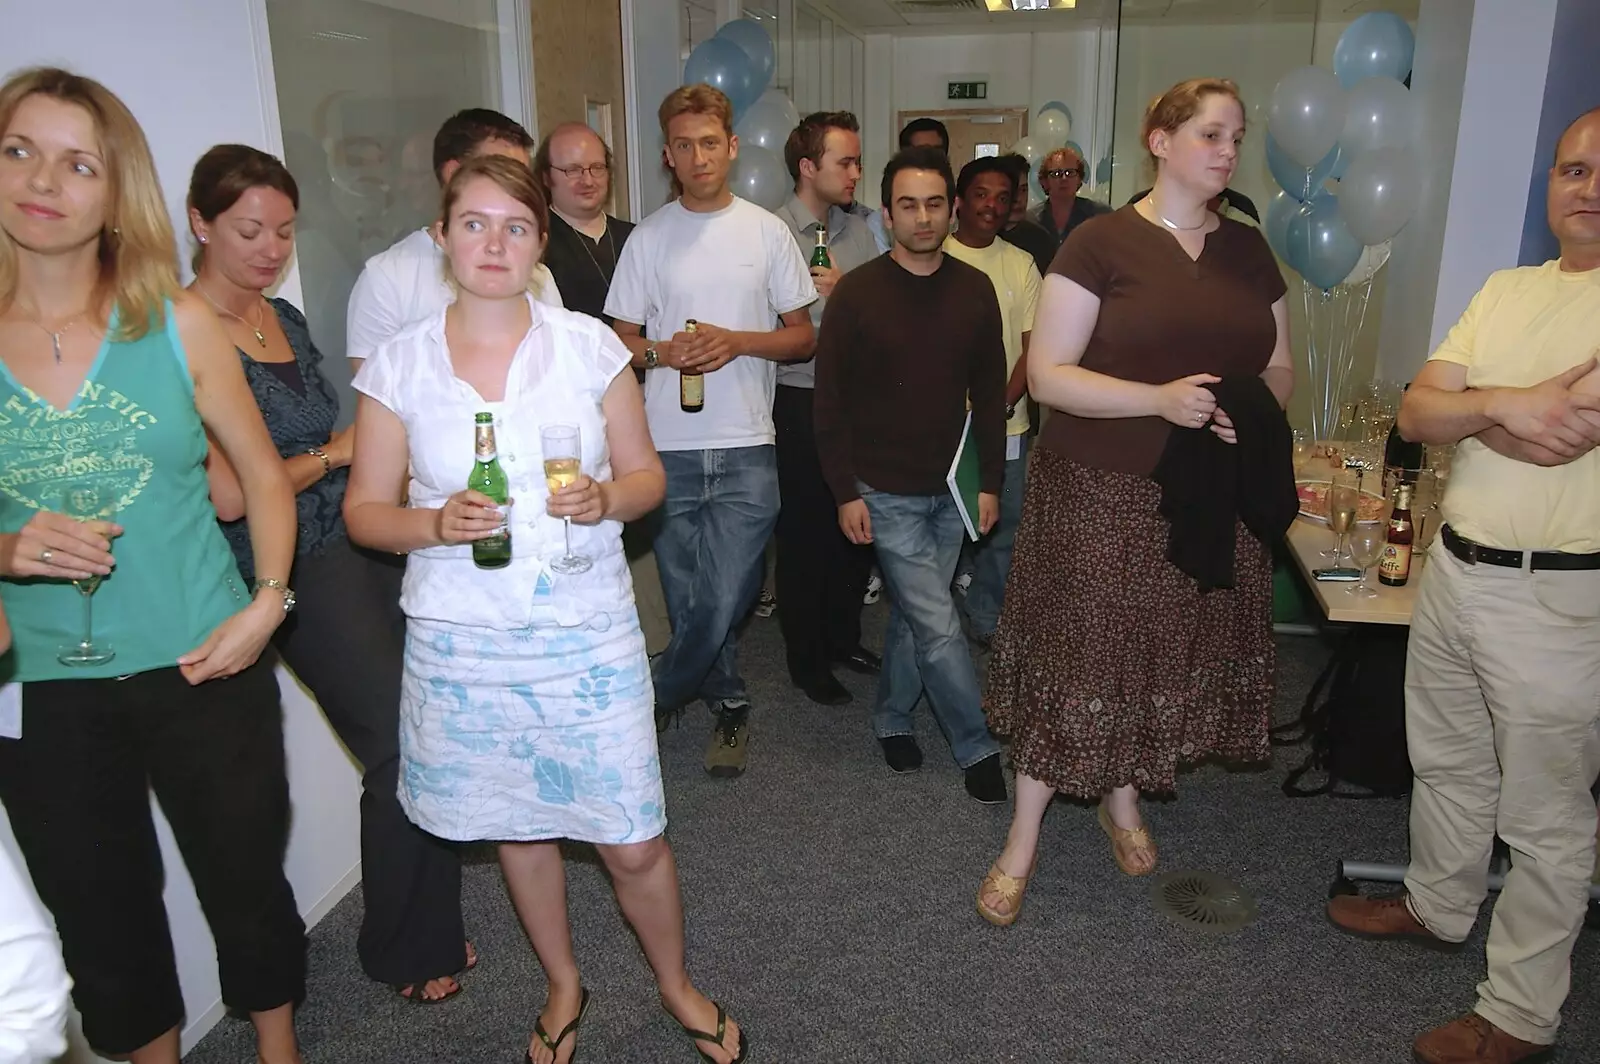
213 86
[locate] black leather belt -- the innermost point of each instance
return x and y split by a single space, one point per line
1473 553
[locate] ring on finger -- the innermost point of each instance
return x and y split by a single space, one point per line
46 554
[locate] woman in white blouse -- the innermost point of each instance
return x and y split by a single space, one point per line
526 712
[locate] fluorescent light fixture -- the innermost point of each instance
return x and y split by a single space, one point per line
1030 5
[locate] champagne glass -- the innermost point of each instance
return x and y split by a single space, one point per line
87 502
1366 547
1343 498
563 464
1425 511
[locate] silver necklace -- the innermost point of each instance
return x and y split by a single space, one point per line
1174 226
55 334
261 337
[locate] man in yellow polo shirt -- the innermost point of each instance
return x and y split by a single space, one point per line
983 208
1503 673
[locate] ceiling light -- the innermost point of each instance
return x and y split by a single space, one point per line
1030 5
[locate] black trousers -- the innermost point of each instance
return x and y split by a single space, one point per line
77 789
344 641
820 574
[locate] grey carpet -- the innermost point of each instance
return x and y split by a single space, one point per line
830 906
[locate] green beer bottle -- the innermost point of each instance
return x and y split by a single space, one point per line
819 254
492 552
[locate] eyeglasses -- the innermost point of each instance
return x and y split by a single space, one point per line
1062 175
572 173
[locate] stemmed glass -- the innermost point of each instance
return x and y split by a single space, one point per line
1302 449
1425 511
1366 547
87 502
1343 499
563 464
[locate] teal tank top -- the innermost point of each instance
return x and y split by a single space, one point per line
132 436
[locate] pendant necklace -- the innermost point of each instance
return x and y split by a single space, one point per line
261 337
605 238
55 334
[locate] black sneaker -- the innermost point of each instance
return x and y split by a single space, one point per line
902 753
985 782
726 753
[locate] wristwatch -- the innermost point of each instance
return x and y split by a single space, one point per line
652 357
278 586
1011 411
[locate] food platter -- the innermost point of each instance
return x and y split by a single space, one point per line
1314 503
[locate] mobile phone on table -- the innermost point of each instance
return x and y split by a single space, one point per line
1337 573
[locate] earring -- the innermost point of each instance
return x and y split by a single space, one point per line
202 240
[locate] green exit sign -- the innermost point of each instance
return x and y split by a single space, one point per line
968 90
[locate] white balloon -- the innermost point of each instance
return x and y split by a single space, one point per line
1379 193
1051 128
768 122
1379 113
761 177
1372 260
1306 115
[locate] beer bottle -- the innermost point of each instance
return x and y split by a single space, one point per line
491 552
1394 568
819 254
691 386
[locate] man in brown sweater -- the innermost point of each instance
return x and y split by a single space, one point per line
906 340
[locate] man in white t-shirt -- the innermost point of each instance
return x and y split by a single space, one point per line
983 208
734 269
406 283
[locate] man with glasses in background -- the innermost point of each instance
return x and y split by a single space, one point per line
575 166
1061 176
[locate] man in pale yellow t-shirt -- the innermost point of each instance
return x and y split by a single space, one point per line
1503 667
983 207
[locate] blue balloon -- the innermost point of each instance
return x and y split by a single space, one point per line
1296 180
1320 245
1280 212
723 65
753 39
1377 45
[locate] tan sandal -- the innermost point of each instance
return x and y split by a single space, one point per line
1125 843
1008 889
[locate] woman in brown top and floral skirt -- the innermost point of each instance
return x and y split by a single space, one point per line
1110 667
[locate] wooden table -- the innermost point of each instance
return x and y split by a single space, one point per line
1308 539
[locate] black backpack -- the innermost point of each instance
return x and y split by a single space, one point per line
1355 719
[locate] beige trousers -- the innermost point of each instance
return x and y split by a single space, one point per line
1503 725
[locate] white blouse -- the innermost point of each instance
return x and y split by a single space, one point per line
558 376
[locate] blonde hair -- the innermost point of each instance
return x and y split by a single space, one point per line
138 251
1168 112
701 99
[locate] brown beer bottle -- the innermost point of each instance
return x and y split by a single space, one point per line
691 386
1394 568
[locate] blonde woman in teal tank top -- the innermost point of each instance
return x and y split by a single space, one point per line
109 378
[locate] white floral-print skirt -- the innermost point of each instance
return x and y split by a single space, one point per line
539 733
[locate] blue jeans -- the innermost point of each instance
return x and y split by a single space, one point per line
991 562
918 539
715 523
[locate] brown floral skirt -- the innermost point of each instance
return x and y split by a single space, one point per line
1110 667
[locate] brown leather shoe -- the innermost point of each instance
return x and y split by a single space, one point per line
1474 1040
1386 917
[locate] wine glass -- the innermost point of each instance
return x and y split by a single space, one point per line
1425 511
1302 449
563 464
87 502
1343 499
1366 547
